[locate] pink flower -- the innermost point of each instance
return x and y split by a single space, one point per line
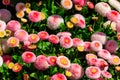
76 71
7 59
81 20
41 63
28 57
92 61
118 27
102 8
20 7
22 35
80 2
66 4
60 34
113 15
54 22
87 46
99 36
6 2
53 39
96 46
17 67
34 16
2 25
33 38
43 35
90 56
93 72
105 54
5 15
114 60
66 42
13 42
99 79
13 25
106 74
111 46
77 42
52 60
58 76
26 43
63 62
90 4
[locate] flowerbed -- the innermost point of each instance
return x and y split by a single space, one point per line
59 40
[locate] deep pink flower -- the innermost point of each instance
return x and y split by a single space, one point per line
66 4
13 25
92 61
53 39
93 72
7 59
58 76
13 42
87 46
22 35
99 36
52 60
28 57
43 35
34 16
106 74
99 79
114 60
33 38
111 46
90 5
41 63
118 27
66 42
20 6
60 34
6 2
63 62
2 25
80 2
77 42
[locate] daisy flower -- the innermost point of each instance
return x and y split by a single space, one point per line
17 67
1 61
58 76
26 43
99 36
118 27
77 42
52 60
69 24
90 5
2 25
42 15
21 34
96 46
13 42
80 2
5 15
106 74
13 25
20 7
92 61
63 62
54 22
10 65
90 56
60 34
28 57
93 72
87 46
114 60
5 2
66 42
2 33
43 35
111 46
102 8
7 59
66 4
33 38
53 39
20 14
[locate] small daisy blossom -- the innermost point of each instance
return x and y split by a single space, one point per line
77 42
80 2
6 2
66 42
2 25
93 72
58 76
92 61
90 5
28 57
63 62
20 14
90 56
22 35
106 74
53 39
52 60
7 59
17 67
13 25
87 46
26 43
66 4
13 42
118 27
20 6
114 60
43 35
33 38
60 34
1 61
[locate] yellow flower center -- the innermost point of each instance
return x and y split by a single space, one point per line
20 14
2 33
97 44
116 60
69 24
67 3
94 70
33 37
42 15
13 41
74 20
68 73
10 65
80 48
28 10
63 61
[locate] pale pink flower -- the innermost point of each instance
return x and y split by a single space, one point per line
102 8
20 6
6 2
111 46
76 71
41 63
60 34
81 20
87 46
105 54
66 42
1 61
80 2
90 56
34 16
63 62
96 46
7 59
93 72
13 42
67 4
106 74
22 35
13 25
28 57
2 25
53 39
54 22
52 60
77 42
26 43
99 36
58 76
5 15
33 38
43 35
114 60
